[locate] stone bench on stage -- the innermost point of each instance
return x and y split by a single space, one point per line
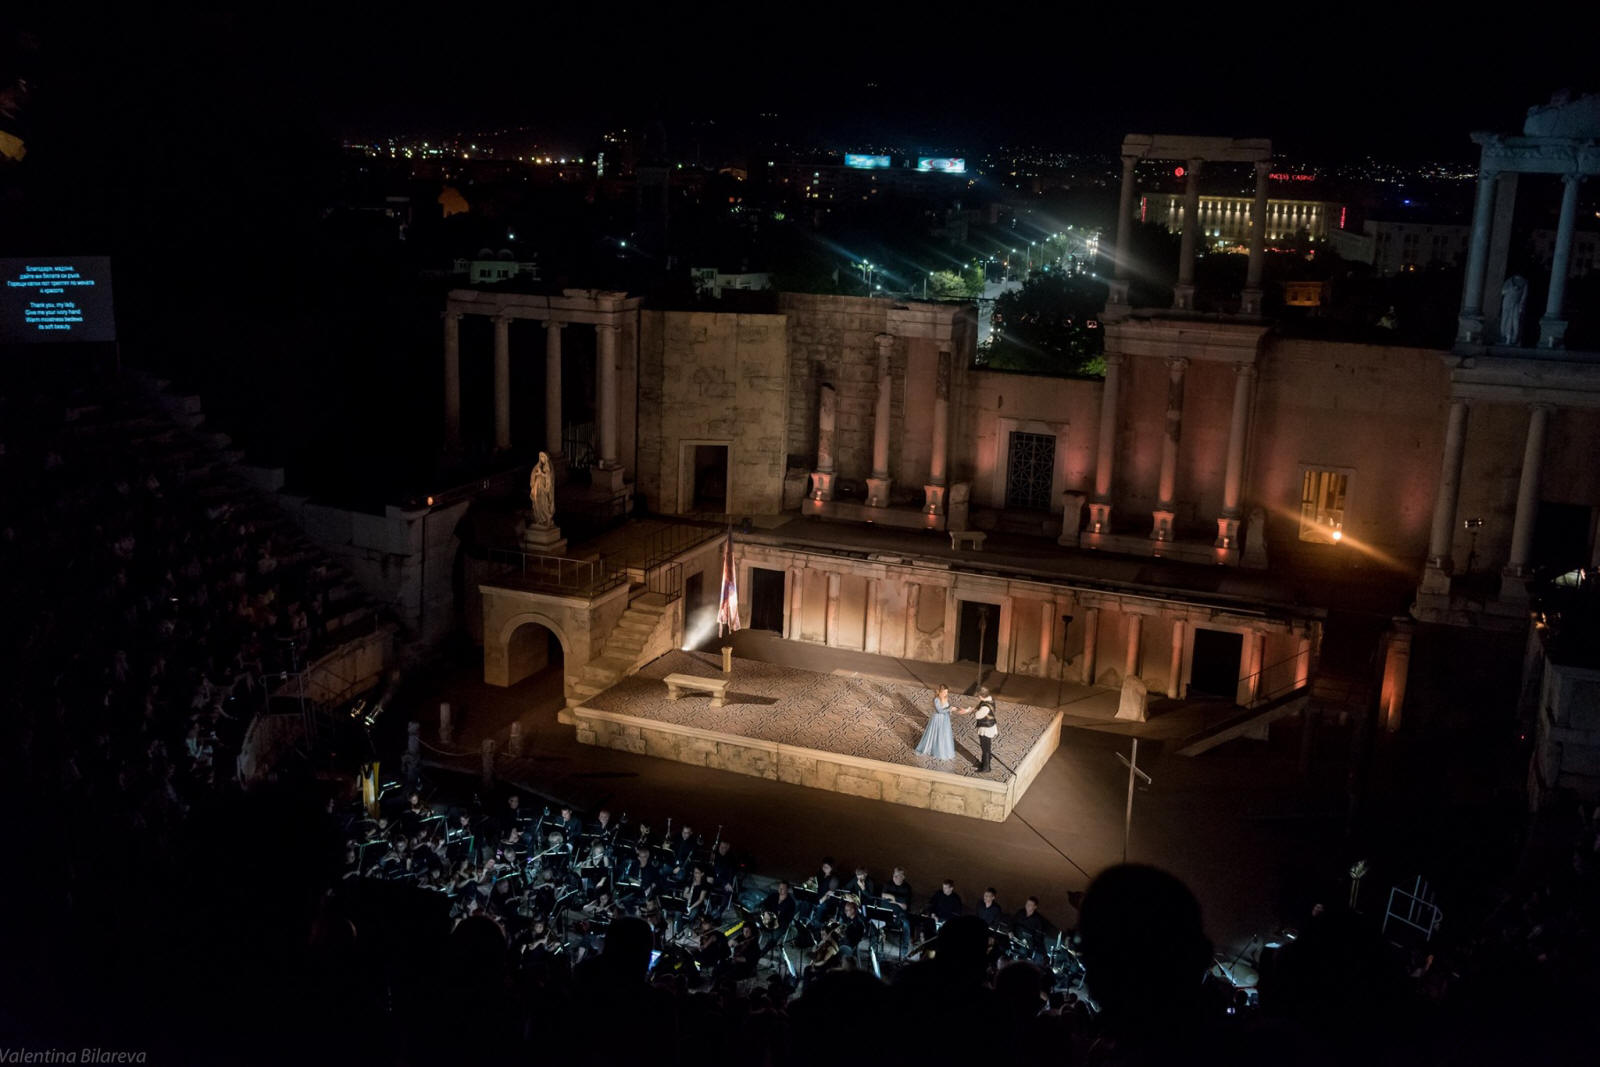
678 684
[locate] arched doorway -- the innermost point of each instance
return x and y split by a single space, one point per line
532 648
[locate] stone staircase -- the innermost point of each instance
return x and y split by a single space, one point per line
623 650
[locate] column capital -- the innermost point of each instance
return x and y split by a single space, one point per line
1114 359
612 327
451 315
1244 370
503 319
1573 177
1263 167
1545 406
552 324
1176 365
1195 165
883 340
1129 162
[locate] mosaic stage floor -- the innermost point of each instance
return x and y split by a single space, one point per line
845 733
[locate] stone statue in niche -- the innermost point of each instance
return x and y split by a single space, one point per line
542 492
1513 296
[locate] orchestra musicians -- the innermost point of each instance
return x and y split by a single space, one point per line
945 904
897 892
990 911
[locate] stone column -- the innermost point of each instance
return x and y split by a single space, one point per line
1256 650
553 442
1500 234
609 466
1302 663
1470 322
938 460
791 621
1047 637
831 618
1183 292
1119 285
452 379
1396 670
1161 529
1244 375
913 599
1175 670
1250 302
1091 637
1105 451
878 484
1528 492
502 382
1130 667
822 477
1553 327
872 640
1441 537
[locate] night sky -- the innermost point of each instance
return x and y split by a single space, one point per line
1322 82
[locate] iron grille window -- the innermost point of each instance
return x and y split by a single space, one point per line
1030 472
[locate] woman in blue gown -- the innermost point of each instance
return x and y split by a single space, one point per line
937 740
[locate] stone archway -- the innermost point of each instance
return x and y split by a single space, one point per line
529 642
512 647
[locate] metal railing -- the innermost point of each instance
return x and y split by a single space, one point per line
585 577
665 580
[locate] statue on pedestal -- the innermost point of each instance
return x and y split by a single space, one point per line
542 492
1513 295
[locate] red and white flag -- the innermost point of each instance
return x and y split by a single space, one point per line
728 602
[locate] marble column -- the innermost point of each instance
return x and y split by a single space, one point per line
1161 528
1105 450
502 382
822 477
1250 302
452 379
1528 492
1553 327
878 485
553 442
1175 669
1130 666
1091 637
1470 322
1183 292
1244 375
939 458
1047 637
609 467
1441 536
1121 268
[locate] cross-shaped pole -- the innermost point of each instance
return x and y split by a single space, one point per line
1133 769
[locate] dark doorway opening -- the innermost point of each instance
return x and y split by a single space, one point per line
532 650
710 479
1215 668
766 599
971 628
1561 536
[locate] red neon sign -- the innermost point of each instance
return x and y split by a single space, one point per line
1293 177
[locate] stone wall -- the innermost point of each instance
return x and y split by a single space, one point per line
833 339
934 790
708 378
1377 411
996 403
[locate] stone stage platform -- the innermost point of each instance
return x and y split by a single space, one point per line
842 733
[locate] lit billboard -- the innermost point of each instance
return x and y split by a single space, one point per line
863 162
942 164
49 298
